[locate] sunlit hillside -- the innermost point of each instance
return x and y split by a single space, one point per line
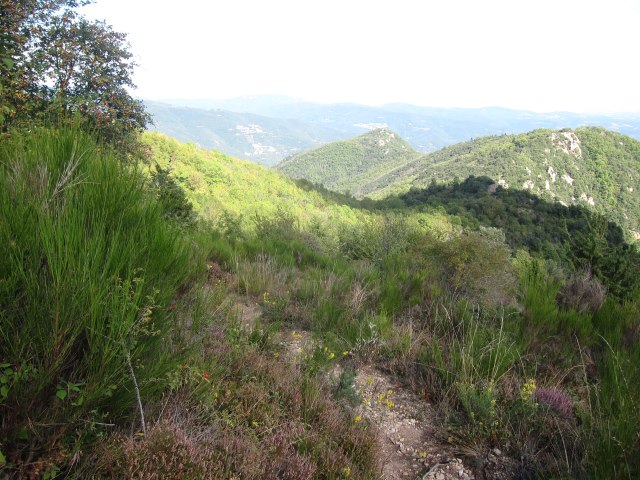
172 312
351 165
589 166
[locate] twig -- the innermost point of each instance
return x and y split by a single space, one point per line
133 375
137 390
439 464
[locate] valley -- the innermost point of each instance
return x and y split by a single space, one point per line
287 126
268 288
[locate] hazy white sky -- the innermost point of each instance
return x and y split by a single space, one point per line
541 55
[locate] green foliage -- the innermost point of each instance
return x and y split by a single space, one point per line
590 167
351 164
222 188
441 301
174 202
90 272
58 64
572 235
569 167
344 386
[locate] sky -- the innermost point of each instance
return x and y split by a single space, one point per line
539 55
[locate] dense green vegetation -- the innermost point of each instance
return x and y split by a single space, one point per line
107 311
574 236
90 272
352 164
590 166
235 193
170 312
567 166
106 283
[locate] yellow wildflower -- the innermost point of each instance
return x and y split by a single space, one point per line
526 392
357 419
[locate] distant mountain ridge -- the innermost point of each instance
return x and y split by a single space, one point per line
248 136
588 166
266 129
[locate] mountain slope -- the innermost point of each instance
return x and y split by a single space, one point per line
252 137
588 166
235 194
272 128
351 164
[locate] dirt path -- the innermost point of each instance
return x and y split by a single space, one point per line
405 422
406 425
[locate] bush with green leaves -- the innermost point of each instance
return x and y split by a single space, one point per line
87 283
175 206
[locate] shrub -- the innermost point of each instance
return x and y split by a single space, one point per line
175 206
475 268
583 293
88 279
554 398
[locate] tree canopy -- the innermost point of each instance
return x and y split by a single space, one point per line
57 63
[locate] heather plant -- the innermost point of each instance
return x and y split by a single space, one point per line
216 424
582 292
554 398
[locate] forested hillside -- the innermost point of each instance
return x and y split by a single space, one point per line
282 125
350 165
168 311
590 166
249 136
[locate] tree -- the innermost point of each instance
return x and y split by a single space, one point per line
57 63
21 24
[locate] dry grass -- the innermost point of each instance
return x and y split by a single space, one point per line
247 413
582 292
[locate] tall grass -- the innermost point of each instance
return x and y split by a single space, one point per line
88 275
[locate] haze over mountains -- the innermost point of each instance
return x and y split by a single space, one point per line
266 129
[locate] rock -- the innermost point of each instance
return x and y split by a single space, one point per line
497 452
